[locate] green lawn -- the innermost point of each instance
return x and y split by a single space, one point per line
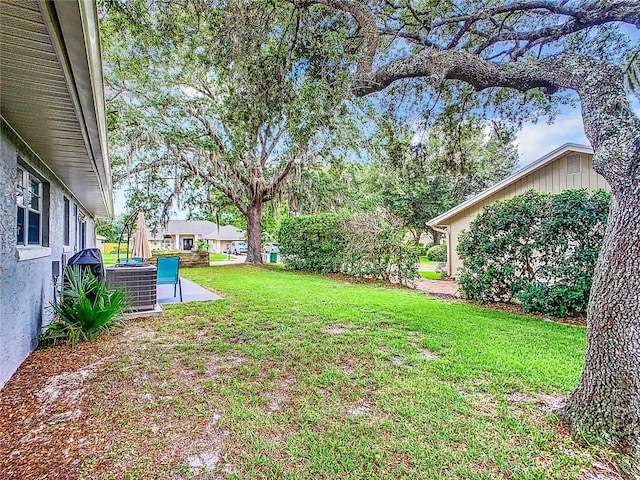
220 257
430 275
296 376
425 260
111 258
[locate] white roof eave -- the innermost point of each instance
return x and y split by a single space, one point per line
52 93
80 45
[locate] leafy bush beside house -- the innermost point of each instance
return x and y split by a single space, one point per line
538 249
437 253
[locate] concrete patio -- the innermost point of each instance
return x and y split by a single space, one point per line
191 292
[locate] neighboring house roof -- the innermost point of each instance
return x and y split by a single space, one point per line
52 93
185 227
523 172
206 229
226 232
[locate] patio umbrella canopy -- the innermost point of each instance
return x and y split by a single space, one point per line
141 246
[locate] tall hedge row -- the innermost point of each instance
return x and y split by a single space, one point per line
538 249
313 243
367 246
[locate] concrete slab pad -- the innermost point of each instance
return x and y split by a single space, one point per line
156 312
191 292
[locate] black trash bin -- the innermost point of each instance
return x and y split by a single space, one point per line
90 258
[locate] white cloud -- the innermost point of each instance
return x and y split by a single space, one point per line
537 139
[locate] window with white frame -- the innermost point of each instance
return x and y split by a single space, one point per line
29 207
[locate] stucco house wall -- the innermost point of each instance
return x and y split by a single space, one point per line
52 132
25 281
552 176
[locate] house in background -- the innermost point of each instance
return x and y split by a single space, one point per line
183 235
54 171
568 167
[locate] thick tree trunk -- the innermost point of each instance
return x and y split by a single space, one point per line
435 235
606 402
254 237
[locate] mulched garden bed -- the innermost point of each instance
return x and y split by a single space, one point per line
42 430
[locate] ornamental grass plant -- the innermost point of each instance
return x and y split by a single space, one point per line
86 308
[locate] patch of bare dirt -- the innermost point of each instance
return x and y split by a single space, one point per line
427 354
137 334
207 454
214 366
66 387
519 397
397 360
551 403
546 402
481 402
338 329
362 409
422 351
279 396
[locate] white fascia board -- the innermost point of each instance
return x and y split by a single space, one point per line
73 29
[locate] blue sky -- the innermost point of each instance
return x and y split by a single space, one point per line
537 139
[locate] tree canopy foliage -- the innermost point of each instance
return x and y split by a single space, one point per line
419 178
220 98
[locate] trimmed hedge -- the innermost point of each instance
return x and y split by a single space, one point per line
538 249
366 246
313 243
437 253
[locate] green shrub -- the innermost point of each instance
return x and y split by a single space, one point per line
375 248
313 243
558 300
368 246
437 253
201 246
87 308
539 249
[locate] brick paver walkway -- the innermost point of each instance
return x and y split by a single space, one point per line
438 288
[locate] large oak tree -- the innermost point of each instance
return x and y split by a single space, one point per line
208 98
541 49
